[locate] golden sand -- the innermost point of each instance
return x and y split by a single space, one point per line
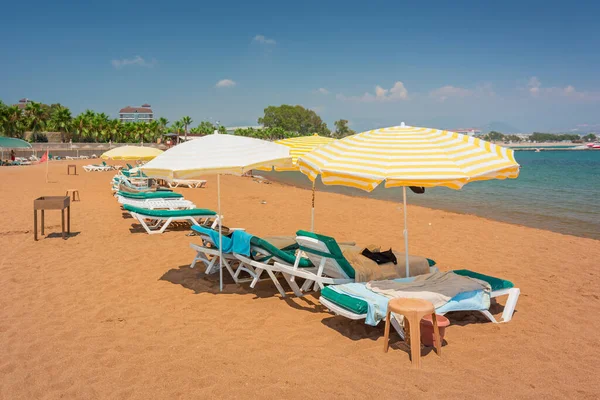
115 313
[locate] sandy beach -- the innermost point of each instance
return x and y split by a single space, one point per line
113 312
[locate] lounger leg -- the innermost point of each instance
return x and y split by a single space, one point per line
166 224
276 282
306 285
143 223
293 285
511 304
258 272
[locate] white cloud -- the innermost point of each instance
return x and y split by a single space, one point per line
534 85
261 39
137 60
445 92
397 92
322 91
535 88
225 83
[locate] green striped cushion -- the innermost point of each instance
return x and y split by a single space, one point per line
495 283
334 249
169 213
286 254
151 195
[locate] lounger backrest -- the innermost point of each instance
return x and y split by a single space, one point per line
320 247
286 255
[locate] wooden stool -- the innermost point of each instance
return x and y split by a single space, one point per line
74 193
69 169
412 310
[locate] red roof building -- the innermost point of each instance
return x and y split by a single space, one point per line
136 114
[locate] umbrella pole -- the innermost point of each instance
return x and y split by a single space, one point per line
220 233
312 211
405 231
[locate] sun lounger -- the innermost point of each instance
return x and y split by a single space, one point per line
208 253
159 220
98 167
330 266
355 301
158 203
155 194
264 253
192 184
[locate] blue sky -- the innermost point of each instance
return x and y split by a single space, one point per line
531 64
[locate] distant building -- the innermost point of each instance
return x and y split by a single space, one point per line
23 103
231 129
467 131
136 114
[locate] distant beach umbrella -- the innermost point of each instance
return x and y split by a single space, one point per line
404 156
131 153
217 154
299 146
12 143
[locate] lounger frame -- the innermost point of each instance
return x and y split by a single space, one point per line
507 313
160 224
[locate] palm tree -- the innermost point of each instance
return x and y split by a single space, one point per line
61 119
187 121
36 116
15 122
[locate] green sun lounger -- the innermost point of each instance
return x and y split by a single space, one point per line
161 219
161 194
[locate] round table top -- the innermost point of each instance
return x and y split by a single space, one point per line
402 306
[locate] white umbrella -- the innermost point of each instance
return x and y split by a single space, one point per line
217 154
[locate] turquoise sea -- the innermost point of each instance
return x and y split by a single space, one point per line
556 190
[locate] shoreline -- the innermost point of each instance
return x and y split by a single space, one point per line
399 202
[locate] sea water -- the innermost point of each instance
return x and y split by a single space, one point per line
555 190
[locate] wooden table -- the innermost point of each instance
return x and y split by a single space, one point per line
52 203
69 169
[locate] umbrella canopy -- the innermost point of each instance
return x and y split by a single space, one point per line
300 146
13 143
217 154
131 153
408 156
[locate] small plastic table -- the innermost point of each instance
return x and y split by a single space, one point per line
52 203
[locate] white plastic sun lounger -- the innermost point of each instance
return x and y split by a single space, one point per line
208 254
265 258
330 269
192 184
507 314
157 221
155 204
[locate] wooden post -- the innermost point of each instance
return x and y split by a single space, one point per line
35 224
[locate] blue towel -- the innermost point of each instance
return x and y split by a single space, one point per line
239 242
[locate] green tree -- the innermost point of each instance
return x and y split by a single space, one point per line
294 119
60 119
36 117
342 129
494 136
590 137
186 121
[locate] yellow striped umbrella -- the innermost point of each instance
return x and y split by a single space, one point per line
408 156
301 145
131 153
